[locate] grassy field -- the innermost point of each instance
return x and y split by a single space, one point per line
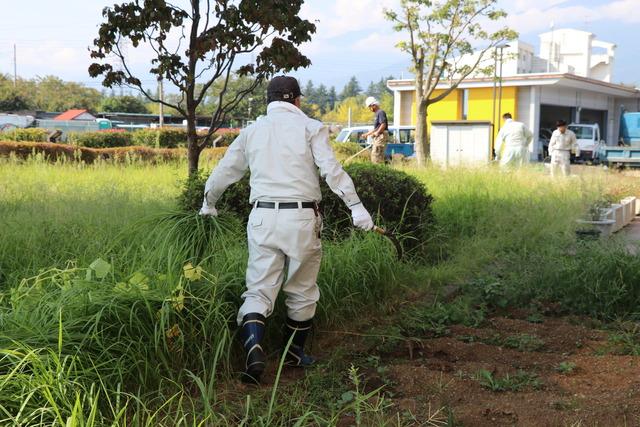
116 308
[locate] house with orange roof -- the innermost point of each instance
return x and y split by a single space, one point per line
69 115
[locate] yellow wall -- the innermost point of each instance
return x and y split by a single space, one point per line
480 105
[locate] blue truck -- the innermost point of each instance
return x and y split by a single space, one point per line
627 152
401 138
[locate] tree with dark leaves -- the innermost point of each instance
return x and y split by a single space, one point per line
213 36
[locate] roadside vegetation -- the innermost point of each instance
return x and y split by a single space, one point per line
117 306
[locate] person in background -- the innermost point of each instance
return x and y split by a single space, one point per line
285 151
512 144
380 132
563 142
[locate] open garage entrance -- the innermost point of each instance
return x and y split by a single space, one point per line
550 114
599 117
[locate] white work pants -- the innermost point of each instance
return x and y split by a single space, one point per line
283 241
560 162
514 156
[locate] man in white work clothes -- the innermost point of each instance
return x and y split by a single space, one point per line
284 152
562 142
512 144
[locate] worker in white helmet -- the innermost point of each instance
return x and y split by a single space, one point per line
563 142
285 151
512 144
380 132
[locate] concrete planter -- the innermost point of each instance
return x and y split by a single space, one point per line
617 216
604 227
637 207
628 209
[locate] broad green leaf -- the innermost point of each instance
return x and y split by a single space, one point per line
139 279
101 268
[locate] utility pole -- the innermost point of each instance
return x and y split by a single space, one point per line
500 87
160 104
15 67
493 115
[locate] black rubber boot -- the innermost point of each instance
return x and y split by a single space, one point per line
252 332
295 355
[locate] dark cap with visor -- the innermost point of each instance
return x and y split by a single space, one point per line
283 88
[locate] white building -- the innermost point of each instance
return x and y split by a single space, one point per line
570 79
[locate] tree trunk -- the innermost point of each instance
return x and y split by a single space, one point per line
422 137
193 150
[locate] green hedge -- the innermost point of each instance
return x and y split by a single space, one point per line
164 138
228 136
397 200
54 152
100 139
173 137
28 135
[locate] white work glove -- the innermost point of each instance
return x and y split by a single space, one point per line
361 217
208 211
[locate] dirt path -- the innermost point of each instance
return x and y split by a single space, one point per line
558 372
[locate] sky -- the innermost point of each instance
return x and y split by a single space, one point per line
353 37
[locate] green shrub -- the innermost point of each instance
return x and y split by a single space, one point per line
228 136
29 135
398 201
165 137
100 139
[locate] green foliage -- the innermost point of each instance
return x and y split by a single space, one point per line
100 139
251 105
566 368
11 101
516 382
399 201
28 134
123 104
47 93
228 136
347 149
435 318
523 342
351 89
162 138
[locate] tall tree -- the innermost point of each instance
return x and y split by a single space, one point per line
212 36
351 89
332 97
448 40
123 104
310 92
322 98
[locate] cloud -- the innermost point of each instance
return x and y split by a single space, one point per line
377 42
527 18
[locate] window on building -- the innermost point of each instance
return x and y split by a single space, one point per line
465 104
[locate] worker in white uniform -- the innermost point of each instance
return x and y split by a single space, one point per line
563 141
512 144
284 151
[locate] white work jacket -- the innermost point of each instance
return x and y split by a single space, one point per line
563 141
284 151
513 134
